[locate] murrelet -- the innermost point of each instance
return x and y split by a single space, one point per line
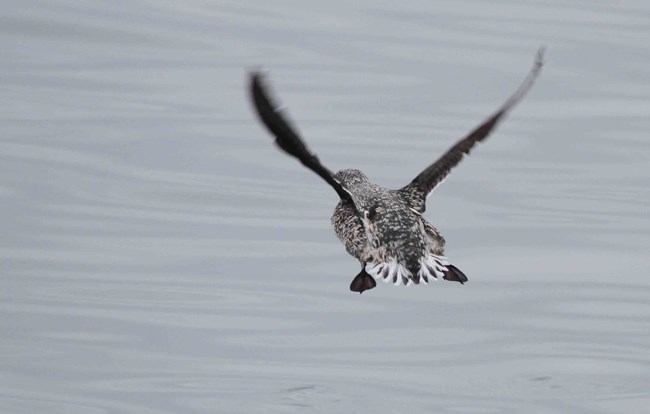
384 229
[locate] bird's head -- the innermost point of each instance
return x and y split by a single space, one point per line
350 178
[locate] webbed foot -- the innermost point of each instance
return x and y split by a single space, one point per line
455 275
362 281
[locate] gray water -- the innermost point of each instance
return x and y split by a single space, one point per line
159 255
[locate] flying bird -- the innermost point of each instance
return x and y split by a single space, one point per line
385 229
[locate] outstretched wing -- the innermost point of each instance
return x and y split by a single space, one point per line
416 192
286 136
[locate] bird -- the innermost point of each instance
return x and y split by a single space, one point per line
384 229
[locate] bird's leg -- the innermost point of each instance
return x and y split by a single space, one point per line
362 281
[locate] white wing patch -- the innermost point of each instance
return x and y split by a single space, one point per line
391 271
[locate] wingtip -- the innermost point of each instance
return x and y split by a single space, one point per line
255 76
540 54
539 58
255 71
260 90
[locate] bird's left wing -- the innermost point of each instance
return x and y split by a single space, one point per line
286 136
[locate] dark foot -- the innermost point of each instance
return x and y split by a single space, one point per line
455 275
362 281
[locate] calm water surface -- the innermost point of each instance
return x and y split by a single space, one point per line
159 255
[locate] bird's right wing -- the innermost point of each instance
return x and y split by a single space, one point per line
416 192
286 136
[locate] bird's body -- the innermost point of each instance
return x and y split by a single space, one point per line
393 241
384 229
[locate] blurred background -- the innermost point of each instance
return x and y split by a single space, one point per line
159 255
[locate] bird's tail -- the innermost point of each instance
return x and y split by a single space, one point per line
432 267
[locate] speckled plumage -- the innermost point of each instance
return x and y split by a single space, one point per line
384 229
389 229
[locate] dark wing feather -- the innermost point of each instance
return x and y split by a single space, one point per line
286 136
416 192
